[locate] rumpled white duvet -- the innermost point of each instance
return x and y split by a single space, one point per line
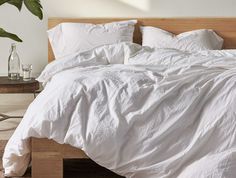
165 114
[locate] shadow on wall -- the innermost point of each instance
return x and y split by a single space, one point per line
139 8
97 8
143 5
182 8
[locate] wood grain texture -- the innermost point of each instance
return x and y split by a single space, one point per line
47 155
66 151
47 164
18 86
48 158
225 27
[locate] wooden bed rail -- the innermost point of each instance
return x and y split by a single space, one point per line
47 157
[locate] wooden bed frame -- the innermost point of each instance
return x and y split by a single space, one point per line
47 155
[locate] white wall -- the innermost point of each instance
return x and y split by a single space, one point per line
33 32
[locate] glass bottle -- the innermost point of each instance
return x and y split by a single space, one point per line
13 64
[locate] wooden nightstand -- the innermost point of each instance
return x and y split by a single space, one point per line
17 86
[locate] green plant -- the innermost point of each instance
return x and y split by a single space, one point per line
34 6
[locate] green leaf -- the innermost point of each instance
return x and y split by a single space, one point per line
12 36
35 7
17 3
3 1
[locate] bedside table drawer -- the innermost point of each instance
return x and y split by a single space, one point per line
20 88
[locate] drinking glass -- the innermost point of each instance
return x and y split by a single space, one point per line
26 69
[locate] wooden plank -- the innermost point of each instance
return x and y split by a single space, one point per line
47 157
225 27
47 165
66 151
18 86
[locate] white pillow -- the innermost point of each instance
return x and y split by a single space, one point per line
67 38
203 39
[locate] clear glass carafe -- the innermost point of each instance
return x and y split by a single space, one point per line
13 64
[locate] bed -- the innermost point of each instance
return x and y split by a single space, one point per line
47 155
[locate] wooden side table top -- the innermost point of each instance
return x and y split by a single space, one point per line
18 86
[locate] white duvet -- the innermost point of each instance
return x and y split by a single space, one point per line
174 119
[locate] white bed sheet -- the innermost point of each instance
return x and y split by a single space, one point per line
166 121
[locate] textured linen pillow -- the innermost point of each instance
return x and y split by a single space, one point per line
67 38
196 40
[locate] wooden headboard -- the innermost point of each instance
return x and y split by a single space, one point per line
225 27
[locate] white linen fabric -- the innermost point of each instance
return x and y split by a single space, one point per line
67 38
153 56
195 40
140 121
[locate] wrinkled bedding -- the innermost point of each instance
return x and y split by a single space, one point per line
173 119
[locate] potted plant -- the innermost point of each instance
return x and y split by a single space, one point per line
34 6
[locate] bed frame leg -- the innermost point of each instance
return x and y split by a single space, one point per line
47 165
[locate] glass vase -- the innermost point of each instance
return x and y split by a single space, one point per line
13 64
